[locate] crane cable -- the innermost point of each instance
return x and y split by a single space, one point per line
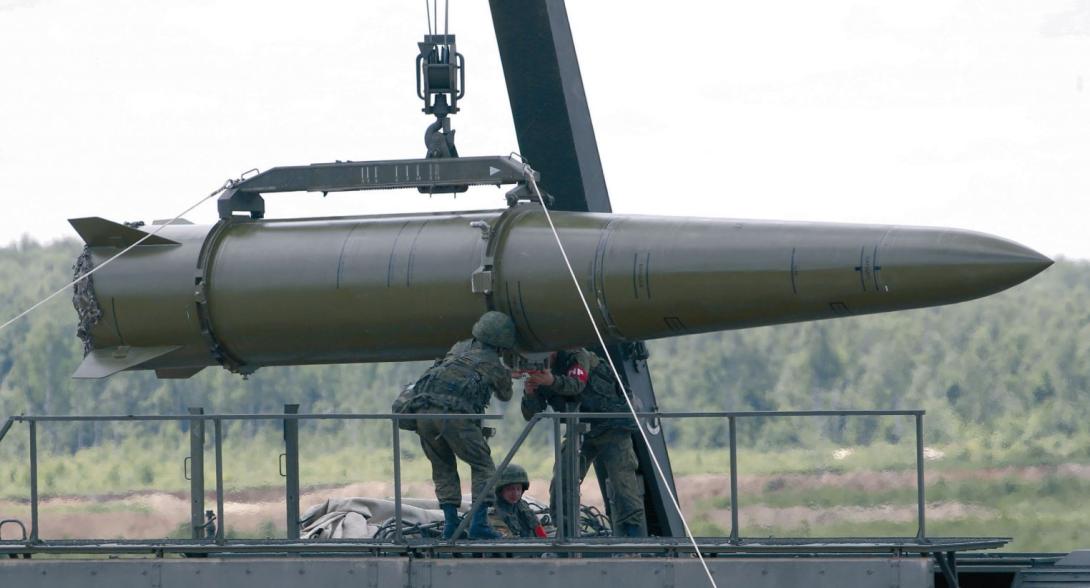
431 10
628 401
226 186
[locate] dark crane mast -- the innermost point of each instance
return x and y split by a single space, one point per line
555 134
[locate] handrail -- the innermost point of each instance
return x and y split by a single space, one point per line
391 416
346 416
569 419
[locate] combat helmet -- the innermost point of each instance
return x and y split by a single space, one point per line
513 474
496 329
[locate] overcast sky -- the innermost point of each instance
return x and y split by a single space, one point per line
971 114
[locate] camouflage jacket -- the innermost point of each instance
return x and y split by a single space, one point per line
513 520
581 382
464 380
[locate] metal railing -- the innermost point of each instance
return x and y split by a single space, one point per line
197 419
566 455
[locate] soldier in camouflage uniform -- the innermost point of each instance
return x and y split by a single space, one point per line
511 516
579 380
464 382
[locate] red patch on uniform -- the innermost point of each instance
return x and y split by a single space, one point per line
578 373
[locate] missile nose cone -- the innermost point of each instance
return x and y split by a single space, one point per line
1010 263
1028 262
962 265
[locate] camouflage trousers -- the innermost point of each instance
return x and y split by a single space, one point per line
613 452
445 442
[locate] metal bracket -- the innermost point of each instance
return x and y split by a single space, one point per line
429 176
523 193
480 281
486 229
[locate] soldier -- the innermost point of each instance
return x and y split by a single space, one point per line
464 382
579 380
511 516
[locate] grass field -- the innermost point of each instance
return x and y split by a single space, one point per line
816 492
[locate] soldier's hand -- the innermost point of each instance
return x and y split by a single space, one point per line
542 378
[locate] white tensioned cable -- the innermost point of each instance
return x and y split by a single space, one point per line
650 451
226 185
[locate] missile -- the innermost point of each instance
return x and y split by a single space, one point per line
247 293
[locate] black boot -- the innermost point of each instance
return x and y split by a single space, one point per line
631 530
479 527
451 519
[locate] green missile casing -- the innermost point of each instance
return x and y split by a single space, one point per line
251 293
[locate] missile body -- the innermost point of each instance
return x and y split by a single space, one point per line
251 293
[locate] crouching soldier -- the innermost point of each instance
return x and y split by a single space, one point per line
511 516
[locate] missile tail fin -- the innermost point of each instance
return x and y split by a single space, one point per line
99 232
100 363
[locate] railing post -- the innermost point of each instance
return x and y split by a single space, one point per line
395 423
733 423
571 461
921 533
558 482
32 426
196 474
220 528
291 467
